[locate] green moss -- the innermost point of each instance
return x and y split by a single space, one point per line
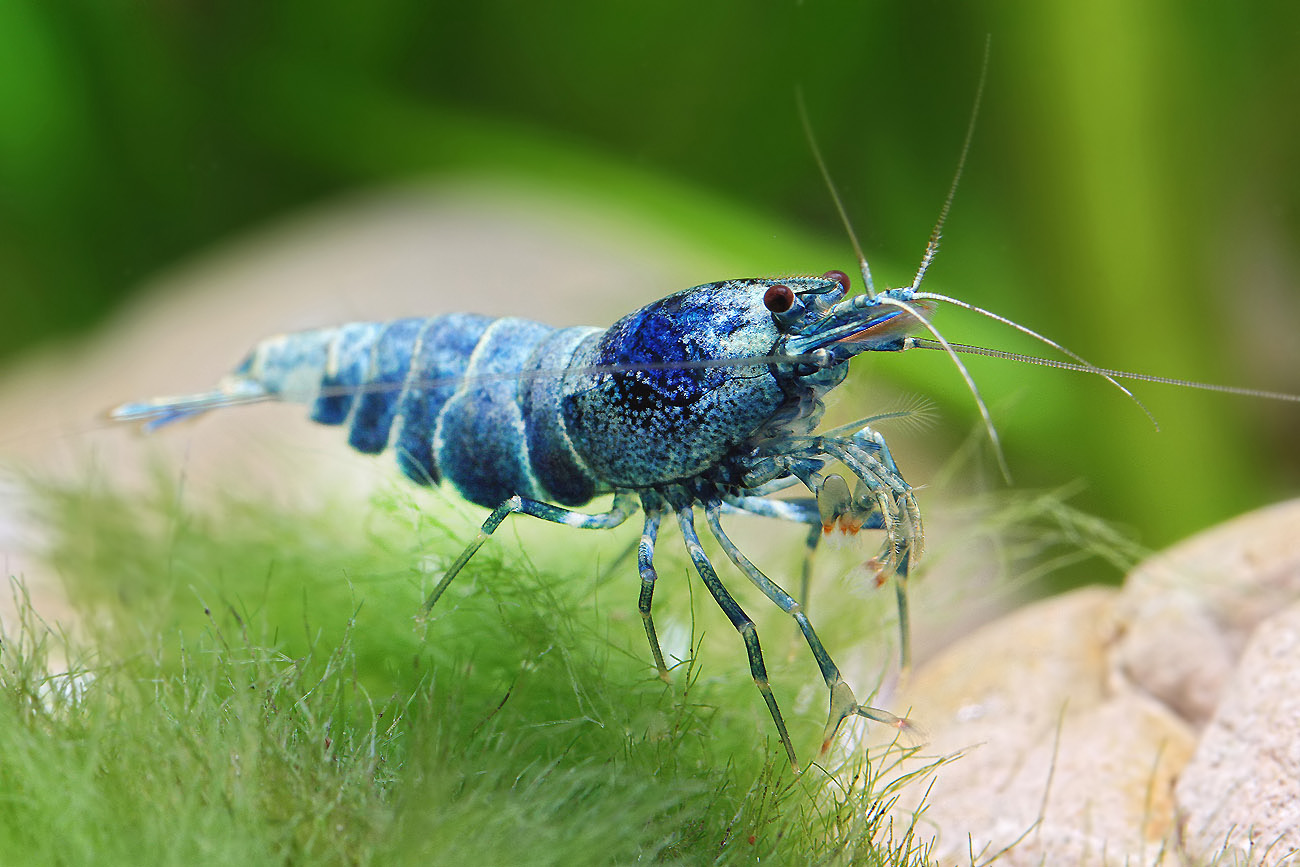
253 688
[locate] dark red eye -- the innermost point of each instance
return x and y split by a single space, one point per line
839 277
778 298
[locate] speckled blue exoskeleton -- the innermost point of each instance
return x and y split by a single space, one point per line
708 397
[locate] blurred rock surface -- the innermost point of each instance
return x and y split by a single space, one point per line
1241 791
1125 726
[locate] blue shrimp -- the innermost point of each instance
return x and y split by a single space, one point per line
709 397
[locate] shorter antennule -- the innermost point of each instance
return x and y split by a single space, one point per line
932 246
835 195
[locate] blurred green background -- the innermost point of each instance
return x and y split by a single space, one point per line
1132 189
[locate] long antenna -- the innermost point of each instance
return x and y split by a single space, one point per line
932 247
1083 362
835 194
1109 373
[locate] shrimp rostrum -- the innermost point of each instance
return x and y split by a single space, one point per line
707 398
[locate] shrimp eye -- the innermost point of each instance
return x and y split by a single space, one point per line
839 277
778 298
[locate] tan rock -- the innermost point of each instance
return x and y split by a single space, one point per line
1052 766
1241 791
1186 613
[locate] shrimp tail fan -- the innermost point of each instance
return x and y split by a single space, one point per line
159 411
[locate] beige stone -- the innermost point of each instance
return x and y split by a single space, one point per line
1241 791
1069 725
1187 612
1051 766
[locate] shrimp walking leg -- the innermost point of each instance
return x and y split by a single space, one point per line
624 506
800 511
740 620
646 566
842 701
